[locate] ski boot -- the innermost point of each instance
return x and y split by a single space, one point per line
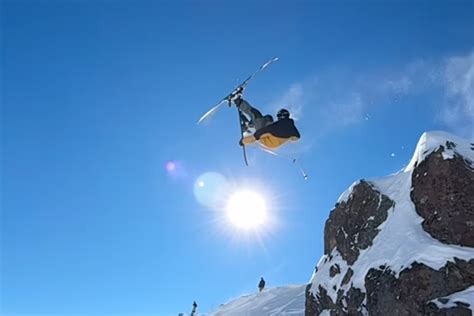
235 96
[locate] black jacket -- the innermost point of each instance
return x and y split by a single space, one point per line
283 128
277 133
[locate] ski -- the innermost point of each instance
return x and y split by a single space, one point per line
239 89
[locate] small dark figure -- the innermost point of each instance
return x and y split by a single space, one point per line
193 312
261 284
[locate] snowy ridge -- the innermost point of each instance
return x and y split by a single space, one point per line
279 301
347 193
431 141
401 240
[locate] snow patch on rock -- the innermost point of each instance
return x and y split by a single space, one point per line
465 296
431 141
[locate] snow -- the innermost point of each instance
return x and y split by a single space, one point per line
281 301
465 296
347 193
401 240
430 141
321 277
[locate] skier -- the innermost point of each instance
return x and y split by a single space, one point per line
193 312
261 284
269 133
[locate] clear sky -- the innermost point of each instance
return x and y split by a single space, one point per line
98 96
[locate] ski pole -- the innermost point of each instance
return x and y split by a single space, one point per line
293 160
303 173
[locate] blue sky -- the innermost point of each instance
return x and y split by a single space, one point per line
97 96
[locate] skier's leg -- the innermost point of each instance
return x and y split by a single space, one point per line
260 123
263 121
245 107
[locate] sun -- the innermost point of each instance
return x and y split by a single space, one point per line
246 210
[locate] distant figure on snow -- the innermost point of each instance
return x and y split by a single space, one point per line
193 312
261 284
267 132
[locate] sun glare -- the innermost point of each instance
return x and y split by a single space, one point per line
246 210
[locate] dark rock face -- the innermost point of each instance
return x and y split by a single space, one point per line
352 225
347 277
409 294
315 305
350 304
415 287
460 310
335 269
310 305
443 194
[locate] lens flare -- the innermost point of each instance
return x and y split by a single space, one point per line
170 166
210 189
175 169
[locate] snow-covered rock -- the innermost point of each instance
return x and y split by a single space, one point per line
402 245
279 301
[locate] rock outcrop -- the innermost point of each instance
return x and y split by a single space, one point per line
443 193
403 245
352 225
412 291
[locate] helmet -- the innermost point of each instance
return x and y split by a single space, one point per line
283 113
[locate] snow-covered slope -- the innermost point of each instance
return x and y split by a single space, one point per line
279 301
393 244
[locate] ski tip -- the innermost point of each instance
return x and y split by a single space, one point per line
268 63
200 120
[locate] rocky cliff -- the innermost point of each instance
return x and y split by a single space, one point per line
403 244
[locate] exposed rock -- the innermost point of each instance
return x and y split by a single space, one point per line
459 310
322 301
350 304
352 225
347 277
310 305
335 269
409 294
443 195
405 272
